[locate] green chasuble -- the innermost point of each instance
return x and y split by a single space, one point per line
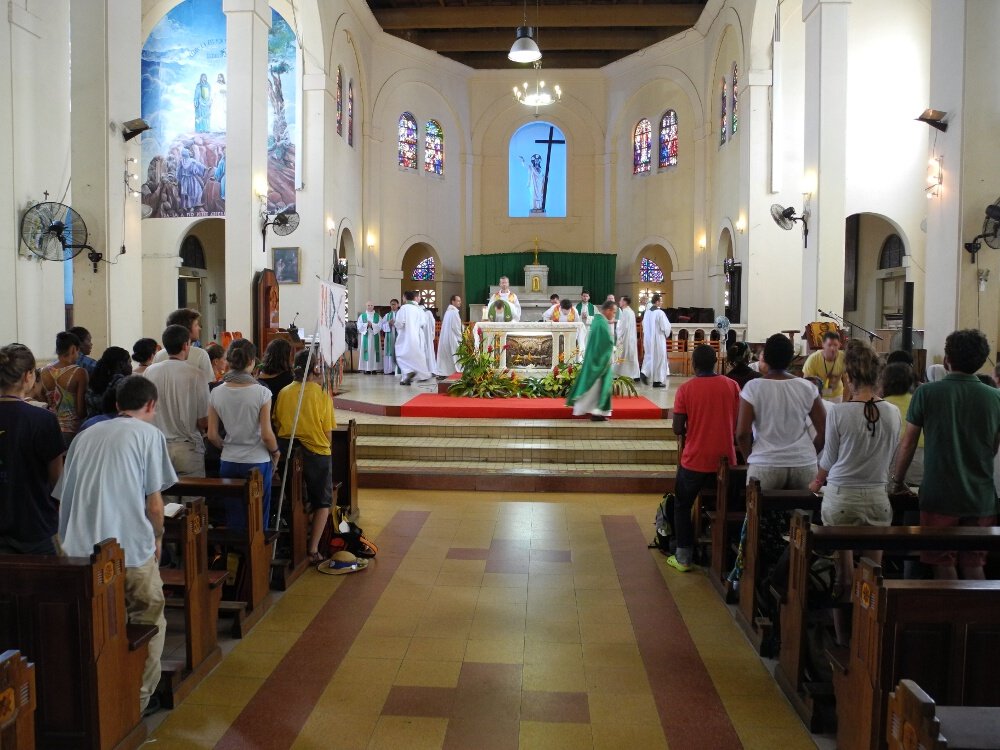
366 346
596 366
508 313
390 334
591 310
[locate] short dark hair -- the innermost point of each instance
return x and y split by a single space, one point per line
174 337
585 291
628 300
276 357
134 392
394 300
409 295
609 304
898 379
778 351
739 352
66 341
455 297
565 304
143 349
215 351
966 350
899 355
241 354
80 332
553 298
300 362
831 335
15 361
703 358
184 317
654 299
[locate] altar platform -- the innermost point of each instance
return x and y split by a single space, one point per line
517 453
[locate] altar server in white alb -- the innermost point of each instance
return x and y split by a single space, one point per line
369 341
626 349
655 332
429 323
411 354
388 326
449 339
553 308
506 295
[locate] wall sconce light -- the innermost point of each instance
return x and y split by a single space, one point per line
808 185
741 224
702 242
370 240
935 177
331 226
983 276
260 189
131 177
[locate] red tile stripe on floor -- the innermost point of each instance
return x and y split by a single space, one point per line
274 717
691 712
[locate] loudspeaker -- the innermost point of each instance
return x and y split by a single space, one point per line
908 317
934 118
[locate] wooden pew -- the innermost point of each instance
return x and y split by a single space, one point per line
943 634
252 598
67 615
17 702
345 466
293 527
914 721
199 591
726 520
807 538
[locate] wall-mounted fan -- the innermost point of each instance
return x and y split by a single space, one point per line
786 218
991 231
284 224
54 231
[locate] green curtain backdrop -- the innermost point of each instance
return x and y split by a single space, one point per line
595 272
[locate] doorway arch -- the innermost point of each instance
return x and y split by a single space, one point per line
650 259
875 251
422 271
201 277
347 253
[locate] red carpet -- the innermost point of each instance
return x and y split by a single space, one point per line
436 405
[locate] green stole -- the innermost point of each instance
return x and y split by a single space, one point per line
590 309
596 364
390 336
364 339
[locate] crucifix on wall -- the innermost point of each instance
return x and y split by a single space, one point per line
549 142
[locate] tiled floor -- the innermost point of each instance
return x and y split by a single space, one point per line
491 621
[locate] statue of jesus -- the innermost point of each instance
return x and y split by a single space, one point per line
536 183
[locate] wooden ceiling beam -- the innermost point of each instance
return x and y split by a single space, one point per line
552 61
553 16
550 40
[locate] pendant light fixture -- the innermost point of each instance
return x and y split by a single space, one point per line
524 49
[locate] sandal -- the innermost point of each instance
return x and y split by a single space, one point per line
315 558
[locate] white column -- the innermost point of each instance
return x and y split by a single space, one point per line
825 153
247 25
106 47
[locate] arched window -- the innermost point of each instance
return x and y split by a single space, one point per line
723 118
350 113
649 272
192 253
891 255
340 101
641 147
433 150
668 139
429 296
407 141
424 270
735 117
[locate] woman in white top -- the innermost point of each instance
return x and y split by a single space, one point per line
861 437
242 406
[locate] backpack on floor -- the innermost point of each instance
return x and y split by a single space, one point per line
341 535
664 527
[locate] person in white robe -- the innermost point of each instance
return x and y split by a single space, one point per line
369 341
449 339
411 354
547 315
659 367
508 296
626 344
388 326
652 310
429 322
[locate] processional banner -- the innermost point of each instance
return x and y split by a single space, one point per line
332 321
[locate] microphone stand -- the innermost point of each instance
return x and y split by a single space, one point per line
845 322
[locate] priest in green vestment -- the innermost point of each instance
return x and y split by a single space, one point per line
585 309
591 392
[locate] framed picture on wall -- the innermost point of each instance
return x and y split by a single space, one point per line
286 264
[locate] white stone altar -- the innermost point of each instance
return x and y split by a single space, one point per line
533 296
531 348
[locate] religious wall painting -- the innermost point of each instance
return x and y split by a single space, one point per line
407 141
286 265
183 98
642 147
537 171
434 148
282 128
668 139
525 350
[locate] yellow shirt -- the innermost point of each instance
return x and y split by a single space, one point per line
902 402
832 375
315 421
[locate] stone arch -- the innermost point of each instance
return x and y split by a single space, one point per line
663 255
873 296
210 282
414 253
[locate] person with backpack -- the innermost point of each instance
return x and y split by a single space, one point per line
705 412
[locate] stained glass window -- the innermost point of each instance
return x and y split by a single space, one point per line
735 124
340 102
668 139
350 113
649 272
429 297
892 252
424 270
724 130
407 141
433 150
641 147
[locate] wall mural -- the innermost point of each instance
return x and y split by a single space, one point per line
537 171
184 70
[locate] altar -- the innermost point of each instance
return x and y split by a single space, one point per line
531 348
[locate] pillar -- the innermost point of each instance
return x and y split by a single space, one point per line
826 24
247 25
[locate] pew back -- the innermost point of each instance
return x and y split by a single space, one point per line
345 465
17 702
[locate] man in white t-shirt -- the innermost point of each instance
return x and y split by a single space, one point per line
190 319
182 406
110 487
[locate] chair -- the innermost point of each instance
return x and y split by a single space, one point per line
678 356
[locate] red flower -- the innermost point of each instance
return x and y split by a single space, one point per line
506 346
555 370
489 350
